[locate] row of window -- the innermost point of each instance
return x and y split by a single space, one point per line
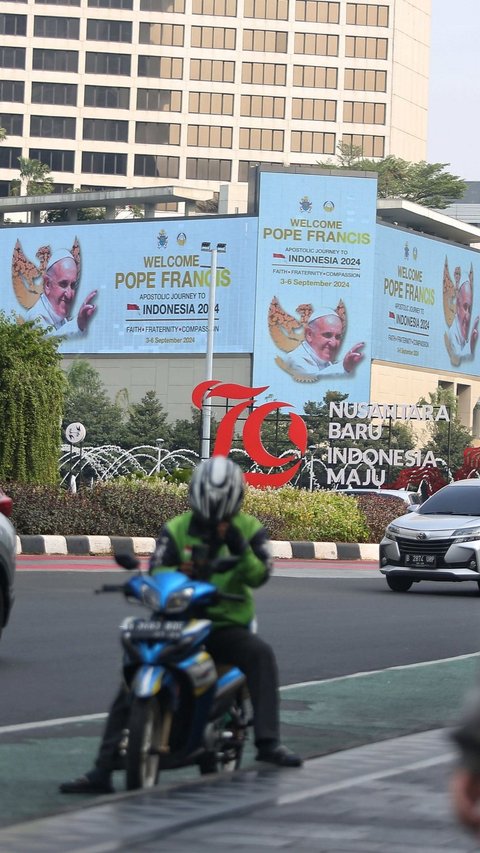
250 139
316 11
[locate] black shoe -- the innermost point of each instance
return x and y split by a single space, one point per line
94 782
280 755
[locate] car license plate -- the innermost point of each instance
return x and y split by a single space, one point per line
421 561
164 629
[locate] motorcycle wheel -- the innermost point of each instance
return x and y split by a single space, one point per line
231 736
144 726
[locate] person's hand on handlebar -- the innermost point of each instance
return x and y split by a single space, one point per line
232 537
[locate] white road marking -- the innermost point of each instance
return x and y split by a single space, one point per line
65 721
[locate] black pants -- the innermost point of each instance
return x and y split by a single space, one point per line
236 646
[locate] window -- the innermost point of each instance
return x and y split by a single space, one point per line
314 109
317 12
212 69
366 48
13 25
315 77
12 123
371 146
12 57
220 8
166 34
364 14
162 6
168 67
12 90
105 130
57 161
103 163
151 166
264 73
204 136
53 127
56 27
109 97
120 31
210 103
359 112
59 2
158 100
55 60
316 44
157 133
262 106
262 139
365 81
268 41
245 167
61 94
223 38
9 157
111 4
107 63
313 142
201 169
277 10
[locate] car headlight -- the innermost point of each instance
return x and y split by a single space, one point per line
393 532
469 534
179 600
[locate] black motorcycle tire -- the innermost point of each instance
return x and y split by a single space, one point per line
142 765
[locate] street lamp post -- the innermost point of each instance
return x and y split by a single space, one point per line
207 407
159 443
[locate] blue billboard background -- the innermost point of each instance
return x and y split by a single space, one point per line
316 241
151 281
423 288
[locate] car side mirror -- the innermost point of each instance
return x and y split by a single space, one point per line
413 507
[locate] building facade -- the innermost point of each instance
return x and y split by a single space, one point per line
136 93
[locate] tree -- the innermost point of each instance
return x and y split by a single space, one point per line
446 440
3 134
87 401
423 183
146 422
31 389
35 179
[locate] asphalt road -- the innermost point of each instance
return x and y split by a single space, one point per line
60 654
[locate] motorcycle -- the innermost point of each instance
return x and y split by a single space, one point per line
184 710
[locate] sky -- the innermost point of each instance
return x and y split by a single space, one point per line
454 100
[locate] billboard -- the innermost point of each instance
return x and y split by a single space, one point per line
315 272
133 286
427 305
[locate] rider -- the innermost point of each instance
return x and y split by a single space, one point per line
216 525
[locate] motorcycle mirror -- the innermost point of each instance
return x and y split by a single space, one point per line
127 561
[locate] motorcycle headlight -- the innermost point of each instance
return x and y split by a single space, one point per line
150 598
393 532
179 600
467 534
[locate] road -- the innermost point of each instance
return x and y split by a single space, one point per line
59 660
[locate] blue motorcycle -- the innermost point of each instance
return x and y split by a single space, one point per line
184 710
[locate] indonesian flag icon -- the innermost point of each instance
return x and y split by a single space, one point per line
278 255
391 315
132 307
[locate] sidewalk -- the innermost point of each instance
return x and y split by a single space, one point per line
388 796
98 545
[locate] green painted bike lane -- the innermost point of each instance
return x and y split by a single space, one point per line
317 718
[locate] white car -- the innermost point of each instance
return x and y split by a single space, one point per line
8 552
409 498
438 540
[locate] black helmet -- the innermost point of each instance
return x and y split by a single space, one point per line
216 489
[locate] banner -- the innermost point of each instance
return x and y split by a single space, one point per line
315 271
426 310
134 286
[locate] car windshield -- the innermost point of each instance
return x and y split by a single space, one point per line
459 500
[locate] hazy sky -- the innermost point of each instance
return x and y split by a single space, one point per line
454 111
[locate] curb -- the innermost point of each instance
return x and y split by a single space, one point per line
144 545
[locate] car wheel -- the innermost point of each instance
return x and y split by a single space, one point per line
399 584
2 610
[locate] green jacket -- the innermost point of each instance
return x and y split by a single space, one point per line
174 548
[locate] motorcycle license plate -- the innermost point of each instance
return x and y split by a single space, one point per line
421 561
158 629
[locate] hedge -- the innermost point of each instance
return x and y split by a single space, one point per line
140 508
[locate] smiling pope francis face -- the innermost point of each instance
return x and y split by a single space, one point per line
60 284
324 335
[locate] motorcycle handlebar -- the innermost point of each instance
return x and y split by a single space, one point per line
230 596
111 587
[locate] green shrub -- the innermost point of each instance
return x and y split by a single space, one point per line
139 508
